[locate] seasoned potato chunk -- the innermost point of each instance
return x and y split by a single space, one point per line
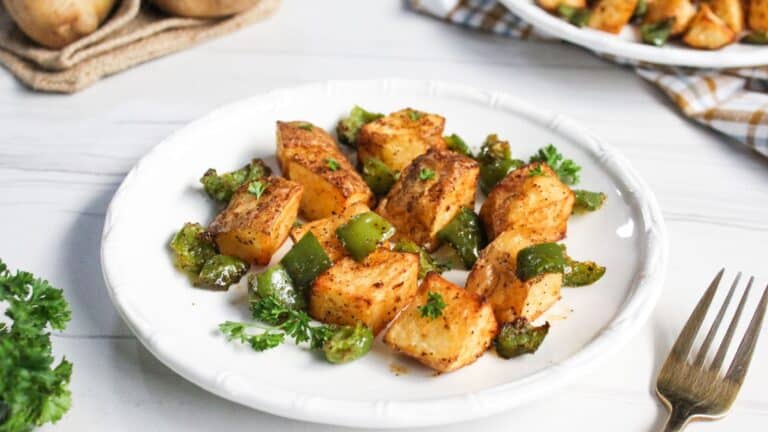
681 10
371 291
758 15
325 230
308 155
456 338
400 137
552 5
494 277
708 31
253 227
531 201
612 15
428 195
731 11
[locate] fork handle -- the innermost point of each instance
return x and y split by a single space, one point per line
676 421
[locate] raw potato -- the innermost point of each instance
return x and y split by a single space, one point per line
420 208
536 206
731 11
325 231
463 332
305 153
708 31
253 228
400 137
371 291
552 5
758 15
58 23
682 10
204 8
493 277
612 15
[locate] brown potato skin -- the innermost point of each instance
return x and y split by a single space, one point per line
731 11
682 10
758 15
708 31
552 5
325 231
458 337
494 277
303 157
397 139
371 291
204 8
537 207
252 228
612 15
420 208
56 24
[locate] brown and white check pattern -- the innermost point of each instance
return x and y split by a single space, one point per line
733 102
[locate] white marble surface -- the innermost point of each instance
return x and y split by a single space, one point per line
62 157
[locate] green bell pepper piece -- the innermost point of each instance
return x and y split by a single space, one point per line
221 187
363 233
191 249
756 37
348 343
275 282
587 201
455 143
580 273
221 271
574 15
539 259
349 127
426 263
378 176
657 33
465 234
495 159
305 261
519 337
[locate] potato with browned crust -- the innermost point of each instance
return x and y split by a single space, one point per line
731 11
400 137
204 8
758 15
428 194
325 231
257 219
462 332
552 5
308 155
56 24
494 277
708 31
612 15
371 291
682 11
532 201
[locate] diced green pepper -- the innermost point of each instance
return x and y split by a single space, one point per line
221 187
587 201
465 233
349 126
495 159
580 273
539 259
657 33
574 15
363 233
275 282
640 10
221 271
191 249
756 37
348 343
305 261
378 176
519 337
426 263
455 143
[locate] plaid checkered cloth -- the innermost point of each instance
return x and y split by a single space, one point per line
733 102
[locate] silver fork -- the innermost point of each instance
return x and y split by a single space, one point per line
690 388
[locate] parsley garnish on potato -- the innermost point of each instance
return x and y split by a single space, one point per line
426 174
434 306
566 169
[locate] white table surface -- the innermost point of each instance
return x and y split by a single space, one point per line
62 157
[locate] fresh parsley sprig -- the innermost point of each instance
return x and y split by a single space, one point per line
434 306
566 169
426 174
257 188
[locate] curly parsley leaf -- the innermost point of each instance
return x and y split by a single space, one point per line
256 188
332 164
434 306
566 169
426 174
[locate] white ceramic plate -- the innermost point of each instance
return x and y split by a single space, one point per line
628 44
178 323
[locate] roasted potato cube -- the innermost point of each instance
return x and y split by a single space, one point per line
325 230
308 155
612 15
708 31
552 5
682 11
758 15
494 277
428 194
253 227
731 11
456 338
531 201
371 291
400 137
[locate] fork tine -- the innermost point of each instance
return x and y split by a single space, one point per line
683 343
740 363
717 363
715 324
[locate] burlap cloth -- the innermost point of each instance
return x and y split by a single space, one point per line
132 34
